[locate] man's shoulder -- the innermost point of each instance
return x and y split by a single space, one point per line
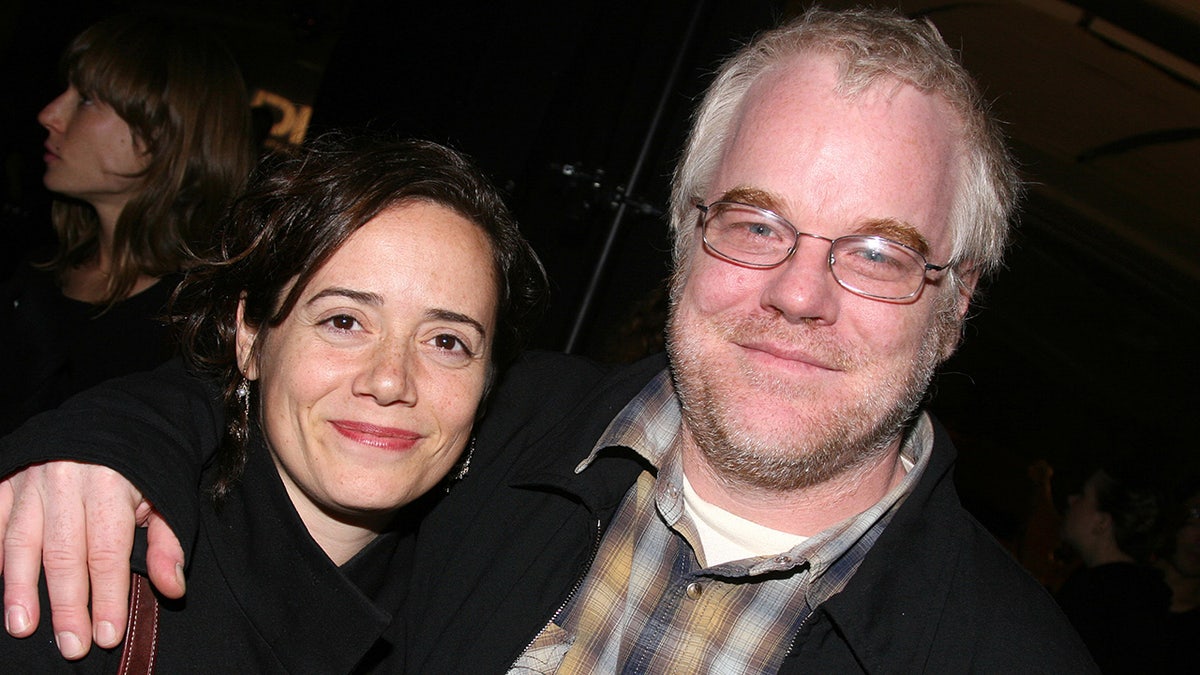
545 392
992 609
550 368
938 583
539 381
1015 620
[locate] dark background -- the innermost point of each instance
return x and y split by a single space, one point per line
1084 348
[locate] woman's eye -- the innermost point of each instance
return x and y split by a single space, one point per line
342 322
447 342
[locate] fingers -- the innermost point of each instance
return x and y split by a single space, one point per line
164 557
73 522
65 493
6 504
22 557
111 504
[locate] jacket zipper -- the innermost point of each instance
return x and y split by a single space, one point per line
574 589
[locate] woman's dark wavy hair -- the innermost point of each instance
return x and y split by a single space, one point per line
298 210
182 95
1135 504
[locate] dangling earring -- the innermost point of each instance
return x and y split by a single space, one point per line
463 466
241 427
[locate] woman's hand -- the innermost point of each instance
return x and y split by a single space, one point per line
77 522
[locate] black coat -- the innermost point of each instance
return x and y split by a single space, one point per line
262 598
52 346
936 593
498 556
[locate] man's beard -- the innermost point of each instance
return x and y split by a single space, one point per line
842 440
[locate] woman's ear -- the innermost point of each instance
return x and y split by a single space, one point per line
246 336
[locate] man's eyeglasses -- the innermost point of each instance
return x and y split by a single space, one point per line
867 265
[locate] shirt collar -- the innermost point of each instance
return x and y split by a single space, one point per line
650 426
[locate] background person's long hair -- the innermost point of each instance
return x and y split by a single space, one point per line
183 97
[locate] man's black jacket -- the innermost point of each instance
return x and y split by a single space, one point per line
499 554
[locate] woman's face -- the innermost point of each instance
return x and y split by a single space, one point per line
91 153
369 388
1083 517
1186 557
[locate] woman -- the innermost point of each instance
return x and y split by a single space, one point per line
144 148
1180 564
1116 602
364 293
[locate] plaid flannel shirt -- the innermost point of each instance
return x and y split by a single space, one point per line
648 605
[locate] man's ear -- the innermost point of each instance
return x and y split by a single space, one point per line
967 279
246 337
952 318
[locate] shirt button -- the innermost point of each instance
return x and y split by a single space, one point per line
694 590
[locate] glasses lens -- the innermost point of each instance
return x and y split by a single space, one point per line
877 267
747 234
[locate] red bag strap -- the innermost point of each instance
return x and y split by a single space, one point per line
141 634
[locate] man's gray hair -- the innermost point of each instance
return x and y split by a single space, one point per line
873 46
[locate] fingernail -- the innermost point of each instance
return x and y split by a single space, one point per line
16 620
106 634
69 644
179 576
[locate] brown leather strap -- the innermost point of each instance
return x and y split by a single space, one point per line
141 635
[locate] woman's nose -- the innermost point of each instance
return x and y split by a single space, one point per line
387 377
53 116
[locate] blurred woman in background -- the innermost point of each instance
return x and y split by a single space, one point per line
144 148
1116 601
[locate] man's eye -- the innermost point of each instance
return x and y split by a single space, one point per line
747 231
872 255
759 230
874 258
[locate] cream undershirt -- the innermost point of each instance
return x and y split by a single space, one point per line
726 537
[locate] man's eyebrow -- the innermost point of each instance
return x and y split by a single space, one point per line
888 228
896 230
753 197
456 317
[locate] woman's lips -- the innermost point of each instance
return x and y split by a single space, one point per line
388 438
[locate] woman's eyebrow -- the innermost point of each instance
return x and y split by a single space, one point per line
456 317
365 297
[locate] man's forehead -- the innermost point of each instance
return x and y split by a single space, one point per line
882 161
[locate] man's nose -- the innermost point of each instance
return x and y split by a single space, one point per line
803 287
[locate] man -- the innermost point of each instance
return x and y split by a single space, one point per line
772 501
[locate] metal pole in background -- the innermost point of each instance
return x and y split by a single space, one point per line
585 305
